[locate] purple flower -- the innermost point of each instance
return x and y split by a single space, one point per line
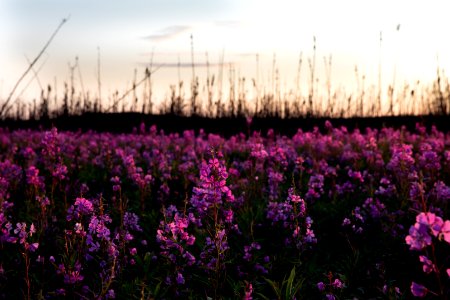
73 276
346 222
258 152
97 226
60 172
189 258
277 212
173 237
418 237
228 215
33 247
442 191
428 265
315 186
211 190
180 279
402 162
321 286
418 290
429 160
445 231
116 183
432 221
131 221
375 207
50 143
356 175
110 294
33 177
275 178
81 207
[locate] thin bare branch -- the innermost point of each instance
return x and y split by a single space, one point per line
5 107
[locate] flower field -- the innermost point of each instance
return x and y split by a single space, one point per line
324 214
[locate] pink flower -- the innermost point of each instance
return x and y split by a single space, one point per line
32 229
248 292
33 247
338 284
418 237
429 219
445 231
428 265
214 163
60 172
418 290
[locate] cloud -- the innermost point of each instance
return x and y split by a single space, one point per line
168 33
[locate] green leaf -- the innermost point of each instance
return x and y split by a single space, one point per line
290 281
275 287
263 297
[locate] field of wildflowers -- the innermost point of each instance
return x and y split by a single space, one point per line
323 214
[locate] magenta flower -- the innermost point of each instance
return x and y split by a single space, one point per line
338 284
60 172
431 220
97 226
110 294
428 265
81 207
418 290
33 177
33 247
248 292
445 231
418 237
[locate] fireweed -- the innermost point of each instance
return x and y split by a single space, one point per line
97 201
213 201
423 236
291 215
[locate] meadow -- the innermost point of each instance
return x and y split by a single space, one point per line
327 213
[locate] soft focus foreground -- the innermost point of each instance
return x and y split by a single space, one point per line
326 214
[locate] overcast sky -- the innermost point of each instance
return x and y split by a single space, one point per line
415 39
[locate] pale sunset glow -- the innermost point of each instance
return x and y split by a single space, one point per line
249 37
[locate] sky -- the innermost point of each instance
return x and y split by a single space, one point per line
129 35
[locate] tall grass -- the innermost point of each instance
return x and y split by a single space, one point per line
208 98
228 94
